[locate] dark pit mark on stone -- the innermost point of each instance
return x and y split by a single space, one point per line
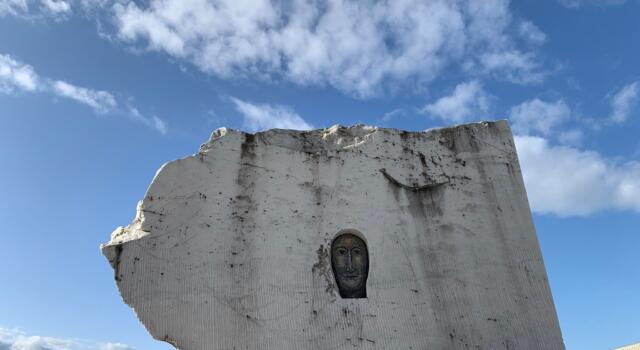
116 262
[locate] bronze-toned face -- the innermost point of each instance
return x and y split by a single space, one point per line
350 263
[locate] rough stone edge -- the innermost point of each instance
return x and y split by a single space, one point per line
121 235
356 135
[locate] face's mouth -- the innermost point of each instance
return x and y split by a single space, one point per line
351 277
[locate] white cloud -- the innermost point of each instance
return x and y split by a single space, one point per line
468 100
566 181
19 76
514 66
531 33
56 9
538 116
101 101
40 343
262 116
357 47
579 3
104 102
15 75
13 339
571 137
623 102
159 125
12 7
152 122
398 112
114 346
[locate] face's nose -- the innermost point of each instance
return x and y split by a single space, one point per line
349 262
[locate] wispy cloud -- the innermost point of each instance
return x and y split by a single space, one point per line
114 346
16 76
571 137
624 101
263 116
56 9
153 121
468 100
566 181
57 6
537 116
12 7
101 101
354 47
531 33
514 65
13 339
575 4
398 112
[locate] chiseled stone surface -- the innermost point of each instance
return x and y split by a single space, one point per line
630 347
230 247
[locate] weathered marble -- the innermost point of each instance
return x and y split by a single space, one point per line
230 247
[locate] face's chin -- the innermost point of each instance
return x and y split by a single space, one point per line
351 283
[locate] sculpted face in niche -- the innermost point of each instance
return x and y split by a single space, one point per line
350 264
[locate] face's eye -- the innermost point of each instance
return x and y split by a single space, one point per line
356 251
342 251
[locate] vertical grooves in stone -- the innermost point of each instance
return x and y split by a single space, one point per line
236 252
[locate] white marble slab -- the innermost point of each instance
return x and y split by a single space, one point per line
230 246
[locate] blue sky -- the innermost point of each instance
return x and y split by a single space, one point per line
95 95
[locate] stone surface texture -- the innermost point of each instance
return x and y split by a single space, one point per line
230 247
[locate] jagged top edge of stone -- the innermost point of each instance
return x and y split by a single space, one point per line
356 135
355 132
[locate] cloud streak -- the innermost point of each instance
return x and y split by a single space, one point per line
152 122
258 117
575 4
56 9
531 33
13 339
16 76
101 101
624 101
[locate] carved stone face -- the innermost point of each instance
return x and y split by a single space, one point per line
350 264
